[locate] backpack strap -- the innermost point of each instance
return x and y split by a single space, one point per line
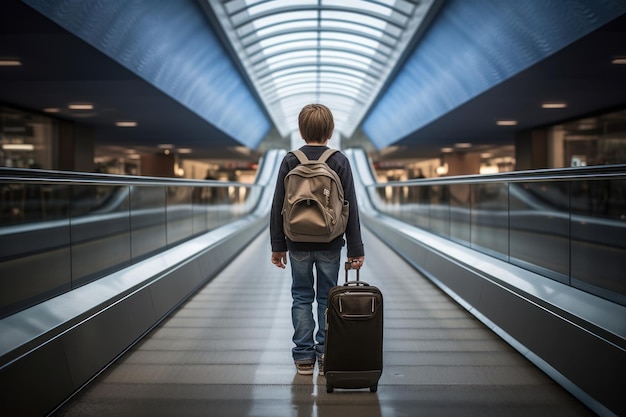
303 158
327 153
300 155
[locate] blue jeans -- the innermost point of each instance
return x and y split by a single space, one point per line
304 291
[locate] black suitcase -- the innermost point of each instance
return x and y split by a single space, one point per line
353 356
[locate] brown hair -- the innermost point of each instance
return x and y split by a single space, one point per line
316 123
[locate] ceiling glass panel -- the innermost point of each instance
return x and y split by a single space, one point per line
274 19
354 17
305 80
304 43
355 28
335 52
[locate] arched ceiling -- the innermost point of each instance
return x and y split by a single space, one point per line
59 68
336 52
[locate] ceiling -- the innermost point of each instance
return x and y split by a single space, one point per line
581 75
59 68
334 52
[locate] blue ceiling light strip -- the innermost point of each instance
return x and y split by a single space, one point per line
473 46
170 44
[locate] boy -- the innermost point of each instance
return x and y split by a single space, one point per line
316 126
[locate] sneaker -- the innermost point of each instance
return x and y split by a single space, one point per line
305 368
320 365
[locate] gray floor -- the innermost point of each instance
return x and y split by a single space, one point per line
226 352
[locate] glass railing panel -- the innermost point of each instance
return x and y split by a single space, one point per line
241 194
599 237
179 213
540 227
567 225
147 220
460 215
100 230
35 259
25 203
200 210
235 202
60 230
387 200
438 197
215 213
204 199
490 219
413 210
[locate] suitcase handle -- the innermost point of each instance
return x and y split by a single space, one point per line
348 266
356 283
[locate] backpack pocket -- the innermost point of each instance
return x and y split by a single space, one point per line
308 218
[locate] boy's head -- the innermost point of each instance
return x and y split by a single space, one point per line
316 123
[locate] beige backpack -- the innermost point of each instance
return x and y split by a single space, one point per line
314 209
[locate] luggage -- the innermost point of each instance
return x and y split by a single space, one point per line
353 356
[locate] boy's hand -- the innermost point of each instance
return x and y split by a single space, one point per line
356 262
279 259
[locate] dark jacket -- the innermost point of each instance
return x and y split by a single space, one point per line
338 163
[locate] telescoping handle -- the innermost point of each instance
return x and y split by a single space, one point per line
348 266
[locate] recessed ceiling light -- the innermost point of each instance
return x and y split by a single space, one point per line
447 150
81 106
126 124
18 147
619 60
165 146
554 105
10 62
506 122
463 145
586 126
52 110
184 150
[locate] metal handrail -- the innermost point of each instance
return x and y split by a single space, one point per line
552 174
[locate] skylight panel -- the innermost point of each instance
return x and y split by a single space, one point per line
347 37
285 62
309 53
287 37
354 17
233 7
345 58
333 77
337 52
341 61
348 46
343 70
282 27
287 46
352 27
277 74
326 87
268 6
284 17
364 6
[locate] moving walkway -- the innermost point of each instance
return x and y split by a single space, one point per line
133 315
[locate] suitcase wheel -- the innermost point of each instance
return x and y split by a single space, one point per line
373 388
329 389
